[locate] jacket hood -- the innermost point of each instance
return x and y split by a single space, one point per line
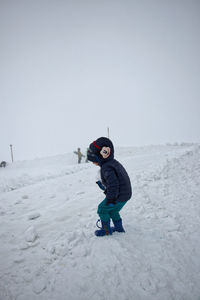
103 149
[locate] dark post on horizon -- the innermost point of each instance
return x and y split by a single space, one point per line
11 150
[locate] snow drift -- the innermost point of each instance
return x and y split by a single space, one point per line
48 215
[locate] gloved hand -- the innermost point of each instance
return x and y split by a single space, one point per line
102 187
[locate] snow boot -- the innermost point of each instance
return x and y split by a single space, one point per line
117 226
104 229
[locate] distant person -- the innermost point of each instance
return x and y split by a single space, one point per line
80 155
86 160
114 181
3 164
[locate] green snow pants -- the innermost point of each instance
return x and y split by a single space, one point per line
107 212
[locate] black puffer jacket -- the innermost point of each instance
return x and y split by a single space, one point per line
117 182
113 174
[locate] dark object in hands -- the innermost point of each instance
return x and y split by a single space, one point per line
102 187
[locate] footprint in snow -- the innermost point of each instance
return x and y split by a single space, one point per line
34 216
147 283
31 234
18 202
80 193
39 285
19 259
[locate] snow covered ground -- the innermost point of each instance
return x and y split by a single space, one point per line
48 215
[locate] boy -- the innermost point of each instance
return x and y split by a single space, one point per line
114 181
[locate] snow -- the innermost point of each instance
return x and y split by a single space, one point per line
47 223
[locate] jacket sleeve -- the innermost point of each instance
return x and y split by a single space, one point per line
112 185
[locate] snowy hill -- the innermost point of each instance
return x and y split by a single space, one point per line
48 215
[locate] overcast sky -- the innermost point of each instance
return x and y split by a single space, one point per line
69 69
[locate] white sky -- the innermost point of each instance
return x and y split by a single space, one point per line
69 69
